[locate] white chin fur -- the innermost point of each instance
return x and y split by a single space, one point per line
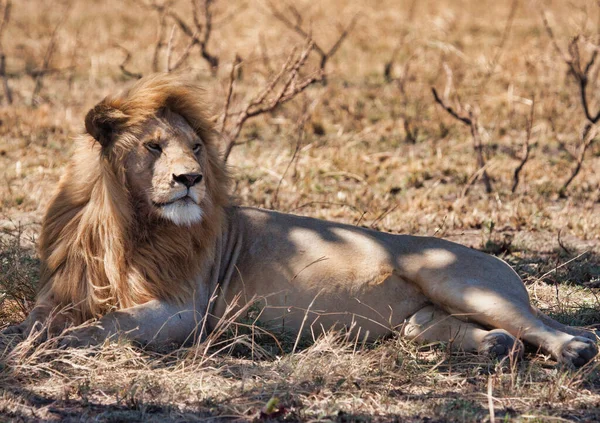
182 213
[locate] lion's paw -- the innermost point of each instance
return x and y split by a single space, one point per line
499 344
83 337
13 330
578 351
35 332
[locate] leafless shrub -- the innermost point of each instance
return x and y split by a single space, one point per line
469 119
526 148
400 79
282 87
197 33
580 70
297 26
5 7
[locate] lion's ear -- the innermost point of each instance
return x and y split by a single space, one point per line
103 123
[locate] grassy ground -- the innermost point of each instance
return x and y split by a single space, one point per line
373 150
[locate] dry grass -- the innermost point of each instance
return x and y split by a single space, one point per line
374 149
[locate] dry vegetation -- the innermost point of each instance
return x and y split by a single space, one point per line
504 158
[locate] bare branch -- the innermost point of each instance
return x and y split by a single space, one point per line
297 27
125 62
198 33
39 79
550 33
5 16
343 34
182 25
526 148
388 68
170 48
464 119
264 53
234 67
471 122
201 35
160 39
210 58
581 73
587 138
5 19
184 55
300 131
271 97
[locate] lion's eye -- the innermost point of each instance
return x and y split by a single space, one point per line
153 147
197 148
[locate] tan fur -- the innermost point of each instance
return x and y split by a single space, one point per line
128 240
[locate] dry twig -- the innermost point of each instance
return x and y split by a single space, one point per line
297 27
125 62
588 136
234 66
526 148
471 122
6 6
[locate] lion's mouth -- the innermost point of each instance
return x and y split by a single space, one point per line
186 199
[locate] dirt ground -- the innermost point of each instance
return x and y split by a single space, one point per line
369 146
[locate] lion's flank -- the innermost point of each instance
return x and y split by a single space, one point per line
97 254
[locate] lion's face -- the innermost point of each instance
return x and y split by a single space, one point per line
165 169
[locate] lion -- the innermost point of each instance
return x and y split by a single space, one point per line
143 236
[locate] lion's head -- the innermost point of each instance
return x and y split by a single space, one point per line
157 133
138 211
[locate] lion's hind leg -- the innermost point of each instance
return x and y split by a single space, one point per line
506 306
575 331
432 324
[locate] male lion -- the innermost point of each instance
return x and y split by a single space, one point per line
141 233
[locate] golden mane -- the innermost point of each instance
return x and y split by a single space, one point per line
97 254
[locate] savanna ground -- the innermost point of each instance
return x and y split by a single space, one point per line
368 147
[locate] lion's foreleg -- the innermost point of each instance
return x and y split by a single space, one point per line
46 319
156 323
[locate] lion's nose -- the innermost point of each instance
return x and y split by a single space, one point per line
188 179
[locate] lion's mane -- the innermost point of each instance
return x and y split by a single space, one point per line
98 254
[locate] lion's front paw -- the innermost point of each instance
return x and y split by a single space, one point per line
35 331
499 344
83 337
13 330
578 351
